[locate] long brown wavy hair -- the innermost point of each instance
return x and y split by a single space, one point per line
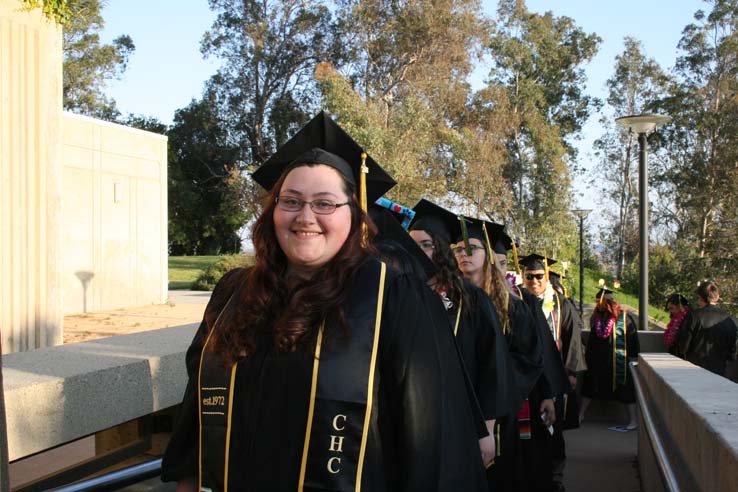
605 309
287 312
448 277
498 290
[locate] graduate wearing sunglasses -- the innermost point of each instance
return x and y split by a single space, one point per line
567 334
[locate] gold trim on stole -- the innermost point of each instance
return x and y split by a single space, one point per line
228 428
199 395
311 409
458 317
372 365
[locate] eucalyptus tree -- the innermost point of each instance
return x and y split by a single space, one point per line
537 63
401 86
636 84
264 90
701 179
88 64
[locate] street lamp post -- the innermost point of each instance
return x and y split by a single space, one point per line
642 125
582 214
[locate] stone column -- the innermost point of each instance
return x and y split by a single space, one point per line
30 178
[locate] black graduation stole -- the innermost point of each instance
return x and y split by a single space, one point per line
341 399
619 352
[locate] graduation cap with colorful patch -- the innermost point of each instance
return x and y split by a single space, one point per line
323 141
389 229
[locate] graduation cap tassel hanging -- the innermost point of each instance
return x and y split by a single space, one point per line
545 265
362 193
465 235
490 253
515 258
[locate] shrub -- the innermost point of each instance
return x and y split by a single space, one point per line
212 274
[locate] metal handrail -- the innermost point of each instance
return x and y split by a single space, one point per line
667 473
117 479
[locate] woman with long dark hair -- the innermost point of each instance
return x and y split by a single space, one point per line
472 318
612 344
318 368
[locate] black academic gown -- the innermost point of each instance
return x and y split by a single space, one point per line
540 450
485 354
598 380
525 346
711 339
421 434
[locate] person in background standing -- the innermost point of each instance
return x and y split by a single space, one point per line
680 319
711 339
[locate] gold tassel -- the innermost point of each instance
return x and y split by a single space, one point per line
362 197
465 236
515 257
545 264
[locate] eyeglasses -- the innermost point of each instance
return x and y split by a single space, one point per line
458 250
320 206
426 245
531 276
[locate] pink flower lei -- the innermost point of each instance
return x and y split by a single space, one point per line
675 323
607 331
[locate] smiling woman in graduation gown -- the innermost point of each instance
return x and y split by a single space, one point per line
289 396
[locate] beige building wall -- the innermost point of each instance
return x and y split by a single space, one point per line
115 216
30 179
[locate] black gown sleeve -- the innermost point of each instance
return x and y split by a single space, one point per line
180 457
496 390
525 346
571 333
633 345
434 436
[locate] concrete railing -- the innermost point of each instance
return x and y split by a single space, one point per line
55 395
696 414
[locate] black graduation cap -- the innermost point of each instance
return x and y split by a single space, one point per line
607 292
322 141
389 228
678 300
499 240
437 220
535 262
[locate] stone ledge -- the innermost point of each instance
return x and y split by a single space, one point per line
699 410
58 394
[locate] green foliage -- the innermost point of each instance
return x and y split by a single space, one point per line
207 190
183 270
57 10
627 295
89 64
263 90
214 272
537 65
636 84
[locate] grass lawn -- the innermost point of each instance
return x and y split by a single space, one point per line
591 280
183 270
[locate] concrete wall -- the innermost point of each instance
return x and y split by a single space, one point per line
115 216
697 417
58 394
30 179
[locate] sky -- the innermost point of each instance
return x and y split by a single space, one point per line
167 69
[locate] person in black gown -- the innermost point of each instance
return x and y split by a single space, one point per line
712 334
612 344
319 368
513 469
472 317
